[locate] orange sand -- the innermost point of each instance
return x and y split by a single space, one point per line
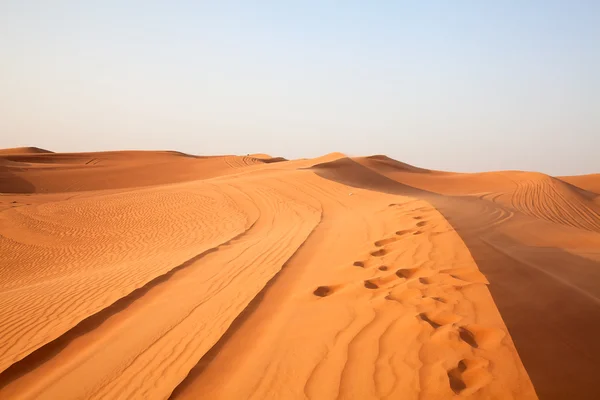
153 275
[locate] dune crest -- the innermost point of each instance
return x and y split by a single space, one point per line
165 275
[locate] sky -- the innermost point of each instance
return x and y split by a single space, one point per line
451 85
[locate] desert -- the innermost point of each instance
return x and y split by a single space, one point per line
164 275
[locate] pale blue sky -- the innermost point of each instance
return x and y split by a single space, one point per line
454 85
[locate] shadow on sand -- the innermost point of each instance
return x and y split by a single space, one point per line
553 318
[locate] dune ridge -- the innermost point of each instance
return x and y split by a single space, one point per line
166 275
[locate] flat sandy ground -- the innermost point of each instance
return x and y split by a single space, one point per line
155 275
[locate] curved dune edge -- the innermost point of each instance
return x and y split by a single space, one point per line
158 274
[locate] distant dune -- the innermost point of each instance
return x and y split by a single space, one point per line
24 150
590 183
156 274
75 172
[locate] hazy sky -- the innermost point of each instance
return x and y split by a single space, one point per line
454 85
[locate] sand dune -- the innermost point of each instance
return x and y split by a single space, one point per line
165 275
24 150
77 172
589 183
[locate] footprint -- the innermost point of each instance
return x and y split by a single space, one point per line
418 217
440 318
383 242
379 253
371 285
470 375
422 223
456 383
387 280
483 337
322 291
467 337
425 318
400 233
455 377
383 268
359 264
406 272
417 232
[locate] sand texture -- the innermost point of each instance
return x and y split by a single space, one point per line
156 275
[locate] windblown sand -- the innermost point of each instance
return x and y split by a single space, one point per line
154 275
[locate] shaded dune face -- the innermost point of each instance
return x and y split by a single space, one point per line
165 275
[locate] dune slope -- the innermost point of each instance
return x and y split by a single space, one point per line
163 275
537 240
